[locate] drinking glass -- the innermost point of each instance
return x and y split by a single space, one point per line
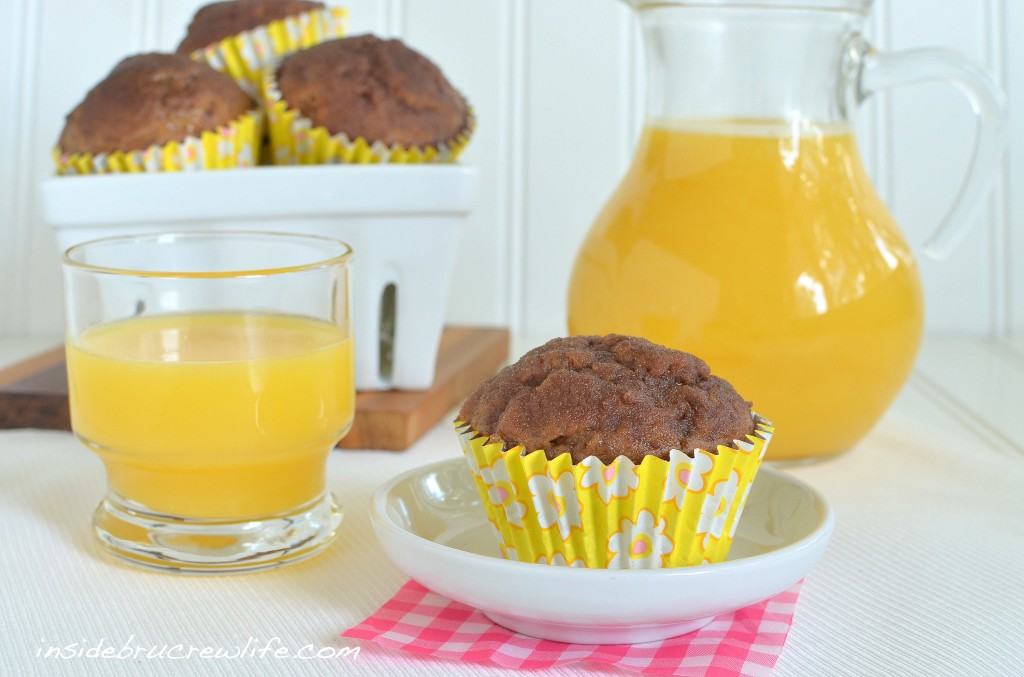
212 373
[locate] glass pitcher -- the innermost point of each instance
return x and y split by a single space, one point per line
747 230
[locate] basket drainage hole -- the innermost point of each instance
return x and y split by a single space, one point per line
388 322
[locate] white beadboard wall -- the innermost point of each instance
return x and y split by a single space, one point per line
557 86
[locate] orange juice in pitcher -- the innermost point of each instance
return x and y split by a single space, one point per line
689 254
747 230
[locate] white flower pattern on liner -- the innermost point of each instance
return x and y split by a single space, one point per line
501 491
615 480
498 538
716 507
685 473
507 551
641 544
245 156
558 560
470 457
555 502
739 506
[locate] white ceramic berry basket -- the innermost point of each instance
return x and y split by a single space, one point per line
401 220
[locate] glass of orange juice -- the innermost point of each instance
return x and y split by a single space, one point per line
212 373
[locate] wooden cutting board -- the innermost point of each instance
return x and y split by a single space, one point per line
34 392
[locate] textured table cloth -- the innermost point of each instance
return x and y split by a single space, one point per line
924 576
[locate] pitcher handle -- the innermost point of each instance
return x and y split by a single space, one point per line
876 70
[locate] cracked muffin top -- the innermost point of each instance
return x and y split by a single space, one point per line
214 22
152 99
608 396
380 90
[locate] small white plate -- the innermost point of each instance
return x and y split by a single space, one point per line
433 528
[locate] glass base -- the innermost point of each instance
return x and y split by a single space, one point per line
141 537
800 461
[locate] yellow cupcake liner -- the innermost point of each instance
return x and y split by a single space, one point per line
661 513
245 56
295 140
234 145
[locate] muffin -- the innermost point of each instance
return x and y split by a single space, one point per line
216 21
242 37
364 99
612 452
159 112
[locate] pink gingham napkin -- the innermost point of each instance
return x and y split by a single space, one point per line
746 642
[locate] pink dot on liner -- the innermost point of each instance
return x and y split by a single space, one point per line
609 473
639 547
684 476
501 493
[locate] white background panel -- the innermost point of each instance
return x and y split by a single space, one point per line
1013 173
438 29
577 55
557 87
931 135
65 62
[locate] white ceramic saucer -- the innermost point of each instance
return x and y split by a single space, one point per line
433 528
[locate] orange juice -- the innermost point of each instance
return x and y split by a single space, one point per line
221 415
764 249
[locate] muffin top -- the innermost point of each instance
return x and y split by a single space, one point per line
608 396
219 20
380 90
152 99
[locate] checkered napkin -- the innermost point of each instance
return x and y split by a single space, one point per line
746 642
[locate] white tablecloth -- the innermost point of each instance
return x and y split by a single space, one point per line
925 575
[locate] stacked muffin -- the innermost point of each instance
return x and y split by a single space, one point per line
330 99
612 452
160 112
245 37
363 99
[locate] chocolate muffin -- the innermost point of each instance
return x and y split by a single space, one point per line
379 90
219 20
152 99
608 396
